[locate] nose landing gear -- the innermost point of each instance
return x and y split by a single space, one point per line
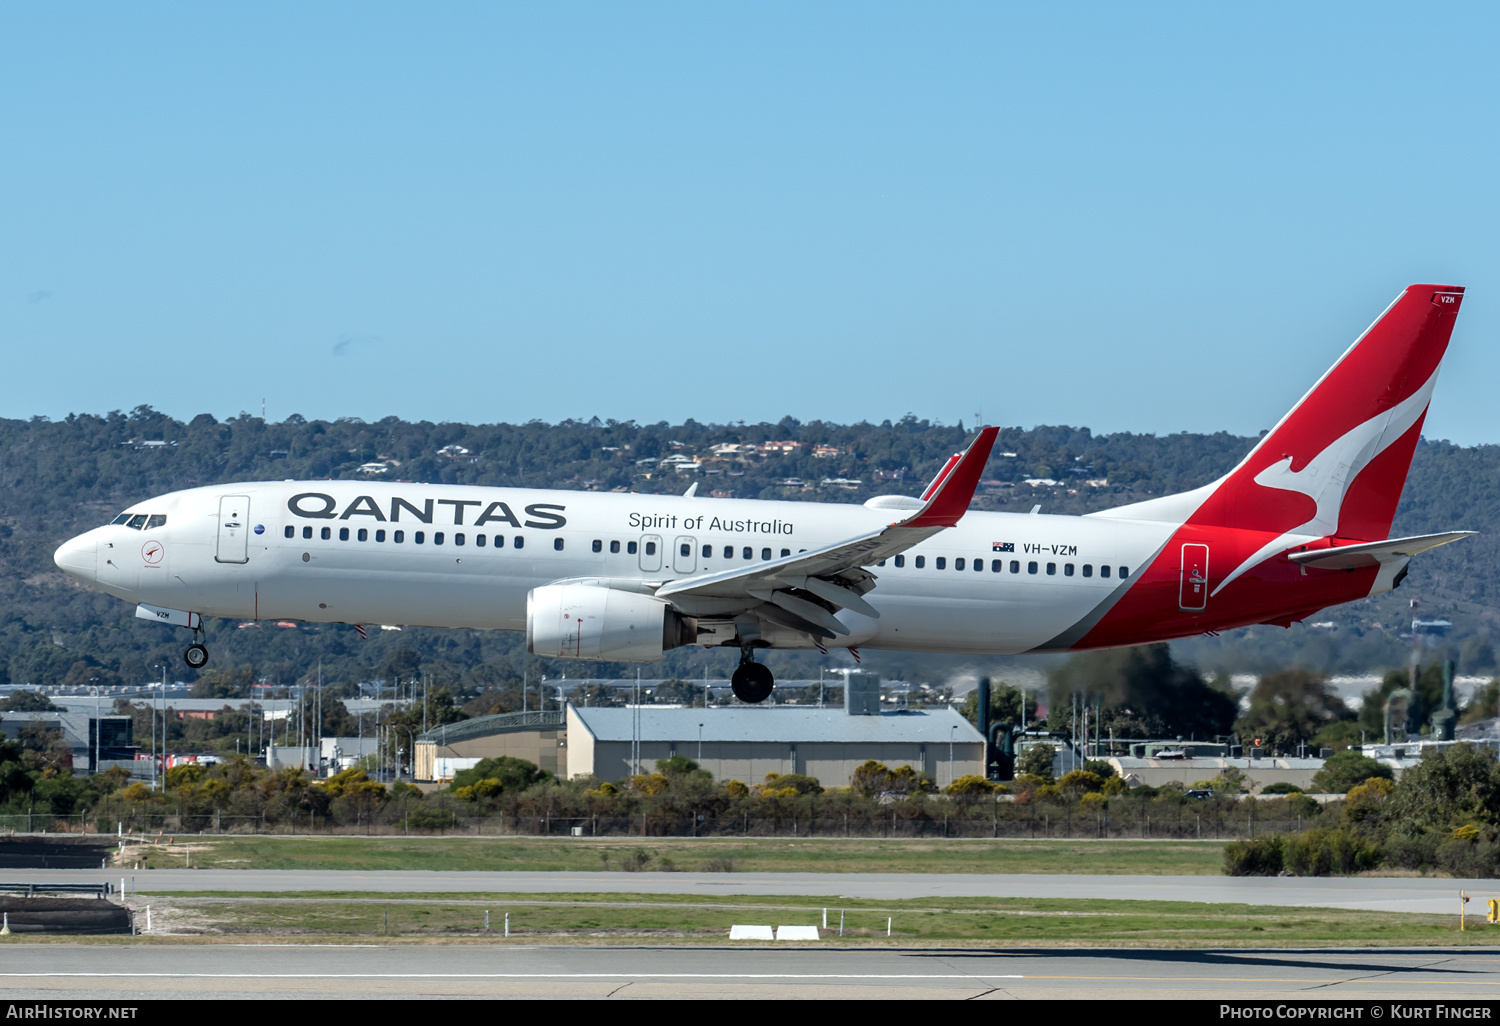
751 682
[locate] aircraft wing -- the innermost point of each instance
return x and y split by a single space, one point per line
1350 557
798 591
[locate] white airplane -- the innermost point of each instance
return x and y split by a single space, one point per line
1300 524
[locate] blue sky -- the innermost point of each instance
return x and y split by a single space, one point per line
1131 217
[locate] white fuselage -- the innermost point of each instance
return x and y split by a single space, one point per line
467 557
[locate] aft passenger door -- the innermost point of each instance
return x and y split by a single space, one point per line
650 553
685 555
234 529
1192 593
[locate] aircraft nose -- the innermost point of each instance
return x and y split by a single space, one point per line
79 557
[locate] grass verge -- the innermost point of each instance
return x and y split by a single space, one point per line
688 920
764 855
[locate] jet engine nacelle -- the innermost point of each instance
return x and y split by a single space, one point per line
587 621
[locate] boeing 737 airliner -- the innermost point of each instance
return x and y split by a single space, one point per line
1299 525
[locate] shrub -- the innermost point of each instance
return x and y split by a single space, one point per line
1258 856
1281 787
971 786
1081 780
1319 852
719 865
1093 802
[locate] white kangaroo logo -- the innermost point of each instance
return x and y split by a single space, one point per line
1325 479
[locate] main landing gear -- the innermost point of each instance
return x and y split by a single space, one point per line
751 681
196 655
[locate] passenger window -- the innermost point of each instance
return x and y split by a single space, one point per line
419 537
1067 569
900 560
598 545
1031 567
765 553
685 549
708 552
1051 569
958 564
290 532
499 541
1124 572
557 544
1104 571
729 552
458 537
398 537
380 535
651 548
364 534
1088 569
941 562
136 522
156 521
326 533
881 563
343 534
979 565
996 565
614 546
437 537
479 541
920 562
749 553
787 552
307 532
630 548
518 542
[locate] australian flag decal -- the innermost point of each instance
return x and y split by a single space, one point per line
1003 546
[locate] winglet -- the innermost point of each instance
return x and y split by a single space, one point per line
956 489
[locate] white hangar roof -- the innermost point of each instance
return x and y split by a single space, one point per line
778 723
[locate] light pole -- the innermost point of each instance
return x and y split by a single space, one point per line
700 745
951 731
152 712
95 681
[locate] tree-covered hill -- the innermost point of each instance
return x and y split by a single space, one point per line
61 477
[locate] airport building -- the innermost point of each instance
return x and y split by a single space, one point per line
746 743
736 742
96 743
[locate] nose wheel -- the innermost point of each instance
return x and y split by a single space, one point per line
196 656
751 682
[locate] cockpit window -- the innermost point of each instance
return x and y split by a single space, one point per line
121 518
136 522
157 520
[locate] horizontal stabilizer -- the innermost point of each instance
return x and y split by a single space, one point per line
1350 557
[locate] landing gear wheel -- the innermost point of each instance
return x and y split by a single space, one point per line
752 683
196 656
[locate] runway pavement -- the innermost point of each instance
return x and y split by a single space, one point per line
1380 894
101 972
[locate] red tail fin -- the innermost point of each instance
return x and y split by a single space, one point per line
1336 463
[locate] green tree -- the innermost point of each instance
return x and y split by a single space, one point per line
512 773
1144 693
1343 770
1450 785
1291 708
27 701
1005 705
1036 760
